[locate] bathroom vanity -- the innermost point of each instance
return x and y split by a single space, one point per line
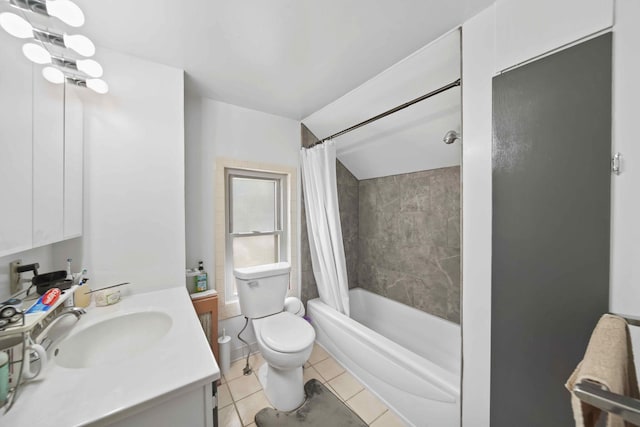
144 361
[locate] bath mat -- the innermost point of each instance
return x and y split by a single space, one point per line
321 409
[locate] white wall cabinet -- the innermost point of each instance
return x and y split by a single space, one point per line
41 156
527 29
48 161
73 163
15 149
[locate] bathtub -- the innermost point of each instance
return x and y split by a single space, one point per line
408 358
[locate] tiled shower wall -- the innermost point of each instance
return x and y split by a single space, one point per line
409 239
401 236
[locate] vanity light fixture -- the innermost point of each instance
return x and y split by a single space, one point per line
38 54
65 10
88 66
16 25
69 13
20 28
96 85
53 75
77 42
56 76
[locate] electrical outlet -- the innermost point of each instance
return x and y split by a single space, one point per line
14 277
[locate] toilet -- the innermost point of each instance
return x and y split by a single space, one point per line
284 338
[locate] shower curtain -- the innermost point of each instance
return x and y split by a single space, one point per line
323 224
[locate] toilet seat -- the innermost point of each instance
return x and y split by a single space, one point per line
286 333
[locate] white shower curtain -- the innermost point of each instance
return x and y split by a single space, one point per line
323 224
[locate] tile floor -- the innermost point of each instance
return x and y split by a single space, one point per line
241 397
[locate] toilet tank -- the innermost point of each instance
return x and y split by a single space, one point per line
262 289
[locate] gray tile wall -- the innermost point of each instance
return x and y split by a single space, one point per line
308 286
348 189
409 239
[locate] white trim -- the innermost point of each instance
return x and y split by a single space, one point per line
557 49
232 309
281 228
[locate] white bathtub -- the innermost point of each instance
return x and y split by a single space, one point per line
409 358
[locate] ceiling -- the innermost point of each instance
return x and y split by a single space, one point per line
409 140
286 57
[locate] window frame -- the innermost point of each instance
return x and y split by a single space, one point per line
281 229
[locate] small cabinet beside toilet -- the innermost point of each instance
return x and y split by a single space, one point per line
207 311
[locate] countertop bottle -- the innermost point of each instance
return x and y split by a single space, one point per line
200 281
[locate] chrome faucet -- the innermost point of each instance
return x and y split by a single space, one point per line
75 311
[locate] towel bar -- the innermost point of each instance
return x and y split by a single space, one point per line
593 394
631 321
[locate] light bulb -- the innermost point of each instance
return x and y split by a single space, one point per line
66 11
80 44
53 75
97 85
36 53
89 67
16 25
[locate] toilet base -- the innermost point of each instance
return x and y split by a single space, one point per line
284 388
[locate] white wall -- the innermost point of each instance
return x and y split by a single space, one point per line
42 255
478 55
526 29
216 129
133 177
625 232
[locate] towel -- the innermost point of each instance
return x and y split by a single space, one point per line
609 362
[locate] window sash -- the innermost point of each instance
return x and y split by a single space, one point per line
278 202
282 223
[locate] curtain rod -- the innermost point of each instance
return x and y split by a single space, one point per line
389 112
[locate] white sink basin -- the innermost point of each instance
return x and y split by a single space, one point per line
113 340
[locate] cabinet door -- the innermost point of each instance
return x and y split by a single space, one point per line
73 156
48 161
15 148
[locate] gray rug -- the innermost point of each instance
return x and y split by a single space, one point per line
322 408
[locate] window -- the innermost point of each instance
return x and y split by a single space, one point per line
256 226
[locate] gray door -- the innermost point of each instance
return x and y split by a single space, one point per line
551 214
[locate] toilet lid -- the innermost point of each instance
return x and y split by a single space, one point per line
287 333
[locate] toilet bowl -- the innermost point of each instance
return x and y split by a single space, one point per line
286 342
284 338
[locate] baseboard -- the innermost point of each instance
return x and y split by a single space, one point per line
241 352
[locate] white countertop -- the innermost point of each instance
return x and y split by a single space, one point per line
180 361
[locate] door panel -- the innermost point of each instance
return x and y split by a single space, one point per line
551 219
